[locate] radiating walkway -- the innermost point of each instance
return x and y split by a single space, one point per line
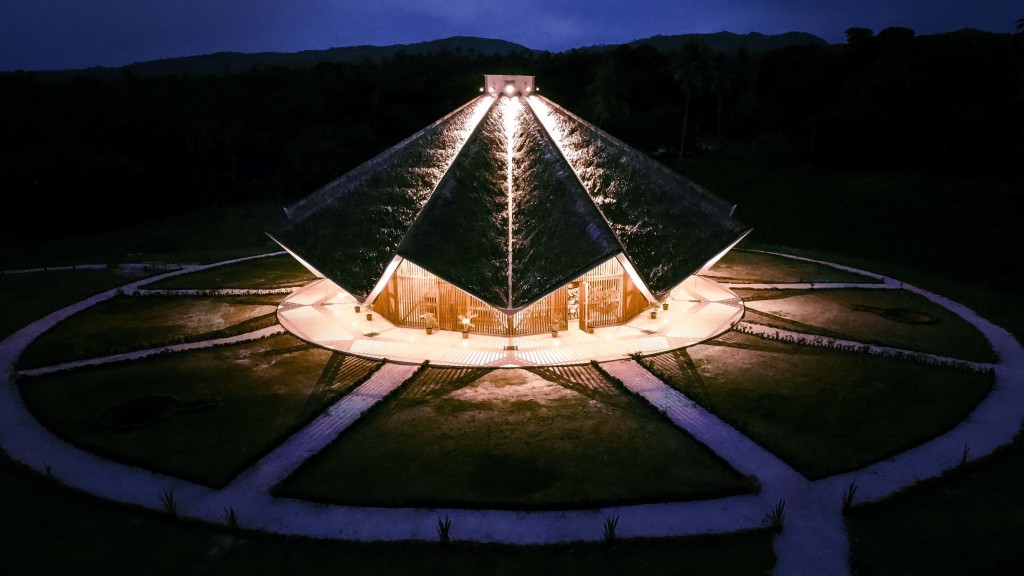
813 540
284 459
739 451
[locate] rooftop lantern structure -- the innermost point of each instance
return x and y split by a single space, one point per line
514 213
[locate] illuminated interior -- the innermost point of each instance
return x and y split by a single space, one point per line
604 296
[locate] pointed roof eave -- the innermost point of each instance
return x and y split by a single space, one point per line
350 229
634 277
554 215
707 265
447 171
298 258
392 267
623 255
714 259
666 224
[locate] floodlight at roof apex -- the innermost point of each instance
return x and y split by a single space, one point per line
509 85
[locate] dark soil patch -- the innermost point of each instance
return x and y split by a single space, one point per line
902 315
148 410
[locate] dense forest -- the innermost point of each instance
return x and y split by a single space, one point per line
80 153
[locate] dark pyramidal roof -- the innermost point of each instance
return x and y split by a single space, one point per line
509 198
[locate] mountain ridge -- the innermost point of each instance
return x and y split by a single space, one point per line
234 62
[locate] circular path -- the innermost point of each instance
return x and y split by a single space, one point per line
812 541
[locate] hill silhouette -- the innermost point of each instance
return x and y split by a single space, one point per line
235 62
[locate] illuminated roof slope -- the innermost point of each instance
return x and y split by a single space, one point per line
509 198
669 227
351 228
509 249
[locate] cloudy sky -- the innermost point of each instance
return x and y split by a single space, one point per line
45 34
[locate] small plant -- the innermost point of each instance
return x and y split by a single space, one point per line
849 496
467 320
777 517
556 325
443 529
610 524
231 518
429 321
170 503
965 455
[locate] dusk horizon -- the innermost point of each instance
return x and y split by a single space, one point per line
48 37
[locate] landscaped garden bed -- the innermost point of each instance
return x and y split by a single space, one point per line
895 318
203 415
127 323
821 411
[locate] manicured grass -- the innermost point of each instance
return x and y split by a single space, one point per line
510 438
60 532
969 522
271 272
751 267
127 323
894 318
28 297
238 402
980 293
821 411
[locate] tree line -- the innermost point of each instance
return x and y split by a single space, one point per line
82 154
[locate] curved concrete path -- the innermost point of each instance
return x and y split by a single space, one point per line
813 540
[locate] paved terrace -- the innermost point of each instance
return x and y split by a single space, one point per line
323 314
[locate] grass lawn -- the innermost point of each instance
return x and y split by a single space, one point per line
262 273
126 323
60 532
202 415
821 411
894 318
28 297
751 267
512 438
963 523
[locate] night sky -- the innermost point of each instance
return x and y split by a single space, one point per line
52 34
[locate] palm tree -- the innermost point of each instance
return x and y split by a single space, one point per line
692 76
